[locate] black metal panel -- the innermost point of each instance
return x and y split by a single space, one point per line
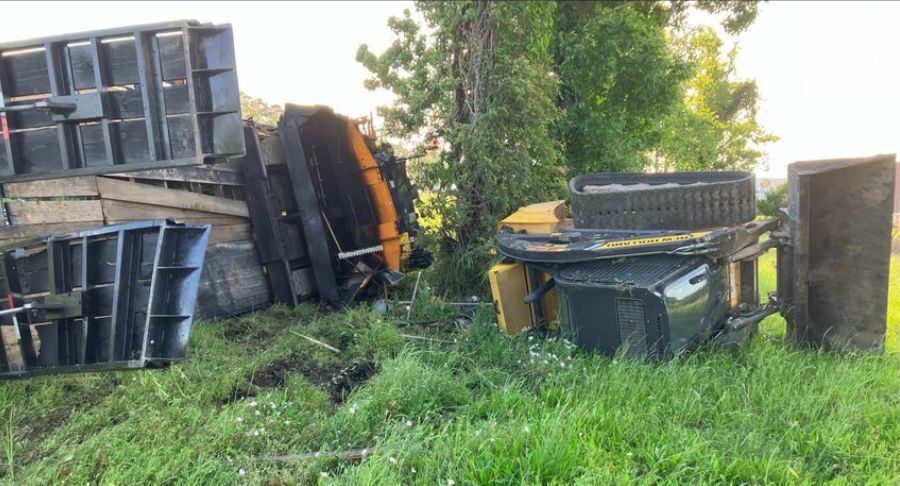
134 98
119 297
833 278
684 201
120 67
310 212
267 230
632 319
27 73
648 307
38 150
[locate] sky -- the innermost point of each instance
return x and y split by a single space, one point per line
827 71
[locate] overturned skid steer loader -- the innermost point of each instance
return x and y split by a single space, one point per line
654 293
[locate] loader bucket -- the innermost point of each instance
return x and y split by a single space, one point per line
833 277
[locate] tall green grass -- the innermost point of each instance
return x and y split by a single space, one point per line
461 405
893 321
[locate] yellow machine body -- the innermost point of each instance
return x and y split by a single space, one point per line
509 281
380 193
545 217
509 286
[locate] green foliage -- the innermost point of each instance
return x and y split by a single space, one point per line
643 90
619 80
260 111
735 15
714 126
481 84
469 405
520 95
772 201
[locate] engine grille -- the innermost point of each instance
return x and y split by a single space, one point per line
643 271
632 326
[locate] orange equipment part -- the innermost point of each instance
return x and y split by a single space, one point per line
380 194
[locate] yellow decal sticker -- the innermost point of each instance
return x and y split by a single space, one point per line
655 240
546 248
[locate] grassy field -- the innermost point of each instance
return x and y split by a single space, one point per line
451 405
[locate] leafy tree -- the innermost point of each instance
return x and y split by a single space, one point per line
714 126
619 80
773 200
260 111
481 83
641 88
736 15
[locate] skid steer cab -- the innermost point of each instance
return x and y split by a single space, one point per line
653 265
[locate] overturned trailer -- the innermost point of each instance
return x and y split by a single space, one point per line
143 123
123 125
333 211
150 96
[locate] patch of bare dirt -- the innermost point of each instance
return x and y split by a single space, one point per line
275 375
256 330
248 332
337 379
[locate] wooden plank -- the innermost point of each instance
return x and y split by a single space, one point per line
67 187
233 281
29 231
215 220
160 196
42 212
229 232
201 174
122 210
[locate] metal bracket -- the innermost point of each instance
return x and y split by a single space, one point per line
58 306
55 105
753 251
45 308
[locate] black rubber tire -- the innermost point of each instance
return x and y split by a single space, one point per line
680 200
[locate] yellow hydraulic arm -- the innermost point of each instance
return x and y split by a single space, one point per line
380 194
